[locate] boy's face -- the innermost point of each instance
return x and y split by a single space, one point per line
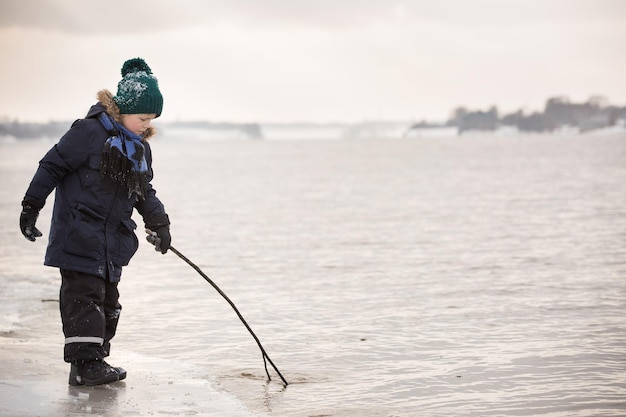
137 123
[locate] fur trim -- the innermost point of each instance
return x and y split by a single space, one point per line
106 98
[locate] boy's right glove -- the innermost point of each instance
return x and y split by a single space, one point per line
28 218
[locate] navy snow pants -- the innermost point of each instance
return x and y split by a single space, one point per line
89 312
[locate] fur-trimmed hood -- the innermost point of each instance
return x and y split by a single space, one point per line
106 98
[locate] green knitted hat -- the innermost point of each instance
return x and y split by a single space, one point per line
138 91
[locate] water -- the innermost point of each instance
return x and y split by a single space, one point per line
472 276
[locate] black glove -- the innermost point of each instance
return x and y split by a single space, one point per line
160 238
28 218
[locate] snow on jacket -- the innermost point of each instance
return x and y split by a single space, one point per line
91 230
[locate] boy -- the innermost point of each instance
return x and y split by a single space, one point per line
101 169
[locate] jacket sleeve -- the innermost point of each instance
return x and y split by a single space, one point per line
151 208
67 155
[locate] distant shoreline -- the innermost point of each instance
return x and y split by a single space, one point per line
559 115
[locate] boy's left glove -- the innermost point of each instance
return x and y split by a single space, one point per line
160 238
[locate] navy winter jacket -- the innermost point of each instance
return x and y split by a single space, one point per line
91 229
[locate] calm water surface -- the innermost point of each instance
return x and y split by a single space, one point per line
472 276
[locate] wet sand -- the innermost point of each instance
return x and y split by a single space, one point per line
34 381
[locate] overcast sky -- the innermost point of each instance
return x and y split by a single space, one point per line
312 60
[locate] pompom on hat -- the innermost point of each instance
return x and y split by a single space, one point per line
138 91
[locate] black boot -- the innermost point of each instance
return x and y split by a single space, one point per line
120 371
94 373
75 378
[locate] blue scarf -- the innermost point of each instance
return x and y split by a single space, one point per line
123 158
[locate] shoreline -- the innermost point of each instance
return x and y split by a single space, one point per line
34 380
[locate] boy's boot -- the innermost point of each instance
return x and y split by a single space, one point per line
94 373
121 372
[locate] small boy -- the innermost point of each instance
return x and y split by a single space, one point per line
101 170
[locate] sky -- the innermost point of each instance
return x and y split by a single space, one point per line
318 61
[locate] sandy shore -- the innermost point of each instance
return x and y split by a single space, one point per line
34 380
